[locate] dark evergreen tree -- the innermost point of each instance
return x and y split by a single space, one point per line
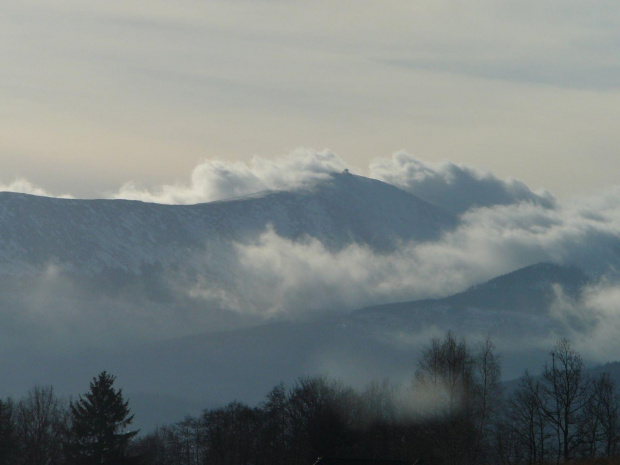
99 421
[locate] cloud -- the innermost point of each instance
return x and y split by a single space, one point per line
217 179
276 276
593 321
455 187
283 276
24 186
530 233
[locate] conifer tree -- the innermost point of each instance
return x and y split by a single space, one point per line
99 421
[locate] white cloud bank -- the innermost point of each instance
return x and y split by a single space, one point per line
218 179
592 321
455 187
23 186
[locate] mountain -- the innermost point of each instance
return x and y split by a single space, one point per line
528 290
516 303
92 236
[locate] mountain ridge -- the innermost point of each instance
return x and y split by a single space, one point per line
91 235
504 292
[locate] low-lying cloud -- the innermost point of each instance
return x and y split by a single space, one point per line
218 180
455 187
592 322
278 276
23 186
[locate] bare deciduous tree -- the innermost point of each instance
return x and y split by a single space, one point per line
567 391
463 388
528 422
603 413
41 423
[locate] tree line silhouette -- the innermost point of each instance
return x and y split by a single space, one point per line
454 411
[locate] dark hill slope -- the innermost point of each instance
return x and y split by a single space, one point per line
527 290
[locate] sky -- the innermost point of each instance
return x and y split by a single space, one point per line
101 98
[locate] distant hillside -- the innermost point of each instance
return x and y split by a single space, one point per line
527 290
95 235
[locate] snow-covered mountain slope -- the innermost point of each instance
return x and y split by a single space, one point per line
95 235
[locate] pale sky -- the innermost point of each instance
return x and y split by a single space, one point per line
100 93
